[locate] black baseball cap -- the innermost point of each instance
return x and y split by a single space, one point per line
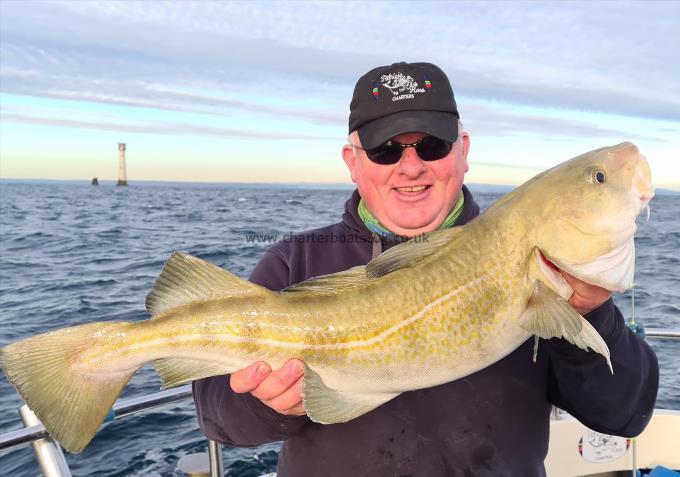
400 98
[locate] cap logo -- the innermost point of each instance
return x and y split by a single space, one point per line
376 91
402 86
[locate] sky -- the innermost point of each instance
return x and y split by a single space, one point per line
253 91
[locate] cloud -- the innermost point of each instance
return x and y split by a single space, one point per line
167 99
578 55
479 119
262 64
172 129
500 121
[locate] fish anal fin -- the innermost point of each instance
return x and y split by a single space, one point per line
330 406
548 315
176 371
185 278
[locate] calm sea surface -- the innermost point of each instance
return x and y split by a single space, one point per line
72 253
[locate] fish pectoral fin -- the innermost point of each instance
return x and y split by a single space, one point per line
330 406
185 278
548 315
176 371
413 251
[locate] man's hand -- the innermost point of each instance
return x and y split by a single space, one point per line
586 297
279 389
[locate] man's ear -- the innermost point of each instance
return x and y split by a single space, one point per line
465 137
350 158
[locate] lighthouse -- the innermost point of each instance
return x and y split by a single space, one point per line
122 174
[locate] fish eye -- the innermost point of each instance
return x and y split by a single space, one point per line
596 175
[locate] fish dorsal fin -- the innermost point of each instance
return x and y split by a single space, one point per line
330 406
408 253
332 283
549 316
185 278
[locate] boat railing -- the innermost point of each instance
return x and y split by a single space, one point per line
51 458
662 333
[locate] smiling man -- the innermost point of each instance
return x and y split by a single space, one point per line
410 190
411 196
407 155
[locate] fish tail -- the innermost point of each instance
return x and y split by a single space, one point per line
71 397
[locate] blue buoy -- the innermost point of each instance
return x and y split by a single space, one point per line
638 329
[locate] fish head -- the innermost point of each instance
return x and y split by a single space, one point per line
588 210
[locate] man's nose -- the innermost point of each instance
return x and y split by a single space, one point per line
410 163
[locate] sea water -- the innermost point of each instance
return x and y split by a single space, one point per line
71 253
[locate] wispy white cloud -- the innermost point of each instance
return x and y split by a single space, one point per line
482 120
602 56
498 121
519 69
172 129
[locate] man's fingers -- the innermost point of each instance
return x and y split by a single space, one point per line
289 401
586 297
278 381
247 379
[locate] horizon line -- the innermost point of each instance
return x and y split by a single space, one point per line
343 185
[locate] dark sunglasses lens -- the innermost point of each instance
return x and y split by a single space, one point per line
387 153
432 148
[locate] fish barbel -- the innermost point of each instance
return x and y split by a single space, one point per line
423 313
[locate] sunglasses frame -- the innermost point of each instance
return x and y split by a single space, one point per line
370 153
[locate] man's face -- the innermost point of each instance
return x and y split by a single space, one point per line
412 196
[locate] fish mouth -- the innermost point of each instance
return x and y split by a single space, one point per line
641 183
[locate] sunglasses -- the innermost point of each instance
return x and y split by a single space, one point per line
429 148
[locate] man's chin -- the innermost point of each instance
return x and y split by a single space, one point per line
411 226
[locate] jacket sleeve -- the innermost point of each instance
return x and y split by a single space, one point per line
240 419
580 381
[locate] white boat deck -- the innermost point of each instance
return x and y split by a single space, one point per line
576 451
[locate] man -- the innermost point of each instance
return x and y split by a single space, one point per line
408 158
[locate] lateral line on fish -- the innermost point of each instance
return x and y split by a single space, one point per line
352 344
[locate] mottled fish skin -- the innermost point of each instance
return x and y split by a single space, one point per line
357 340
417 316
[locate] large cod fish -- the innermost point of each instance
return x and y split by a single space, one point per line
421 314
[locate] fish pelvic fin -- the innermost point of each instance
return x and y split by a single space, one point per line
330 406
549 316
70 400
185 278
176 371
